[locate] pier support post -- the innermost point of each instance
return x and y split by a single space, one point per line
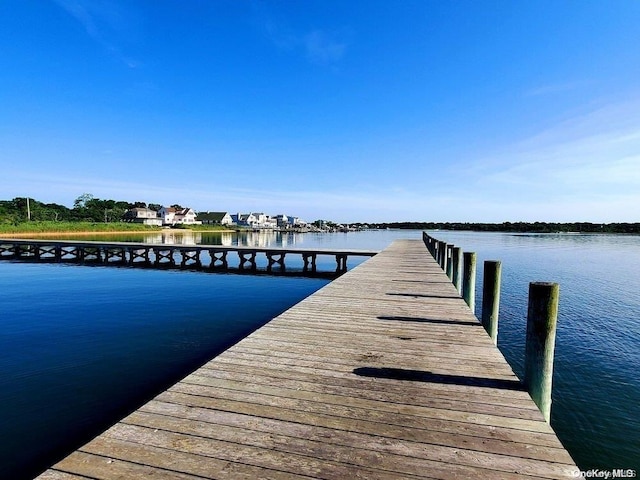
542 317
491 297
456 265
450 261
469 281
442 249
309 260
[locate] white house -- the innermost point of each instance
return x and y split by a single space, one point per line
264 220
173 216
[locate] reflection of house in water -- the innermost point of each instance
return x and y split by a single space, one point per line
268 238
188 237
227 238
170 237
260 238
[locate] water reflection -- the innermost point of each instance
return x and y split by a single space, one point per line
262 238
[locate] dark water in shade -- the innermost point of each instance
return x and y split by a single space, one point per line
82 346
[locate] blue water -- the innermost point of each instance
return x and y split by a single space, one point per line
82 346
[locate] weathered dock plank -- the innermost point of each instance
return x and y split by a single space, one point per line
384 373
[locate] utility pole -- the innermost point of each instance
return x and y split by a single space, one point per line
28 210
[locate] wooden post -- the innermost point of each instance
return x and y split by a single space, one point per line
444 259
450 261
491 297
456 265
469 282
542 317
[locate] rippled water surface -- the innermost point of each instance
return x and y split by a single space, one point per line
82 346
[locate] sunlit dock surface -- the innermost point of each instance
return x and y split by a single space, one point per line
384 373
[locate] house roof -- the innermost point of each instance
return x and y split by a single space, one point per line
212 216
141 209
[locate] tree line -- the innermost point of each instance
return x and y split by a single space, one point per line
515 227
86 208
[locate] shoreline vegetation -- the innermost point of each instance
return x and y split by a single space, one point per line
52 228
49 228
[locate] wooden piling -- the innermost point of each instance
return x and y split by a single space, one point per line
542 317
456 265
444 259
440 252
469 281
449 268
491 297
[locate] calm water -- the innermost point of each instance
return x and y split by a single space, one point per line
81 346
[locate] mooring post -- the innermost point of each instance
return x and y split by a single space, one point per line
542 317
491 297
469 281
445 259
450 261
456 265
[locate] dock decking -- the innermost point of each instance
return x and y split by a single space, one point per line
384 373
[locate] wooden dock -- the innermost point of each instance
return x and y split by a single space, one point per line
210 258
382 374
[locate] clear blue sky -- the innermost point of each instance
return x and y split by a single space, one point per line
344 110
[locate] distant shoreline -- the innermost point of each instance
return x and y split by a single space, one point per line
513 227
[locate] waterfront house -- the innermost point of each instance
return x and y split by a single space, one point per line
167 215
145 216
296 222
282 220
244 219
215 218
173 216
264 220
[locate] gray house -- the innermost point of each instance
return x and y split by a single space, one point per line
146 216
215 218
